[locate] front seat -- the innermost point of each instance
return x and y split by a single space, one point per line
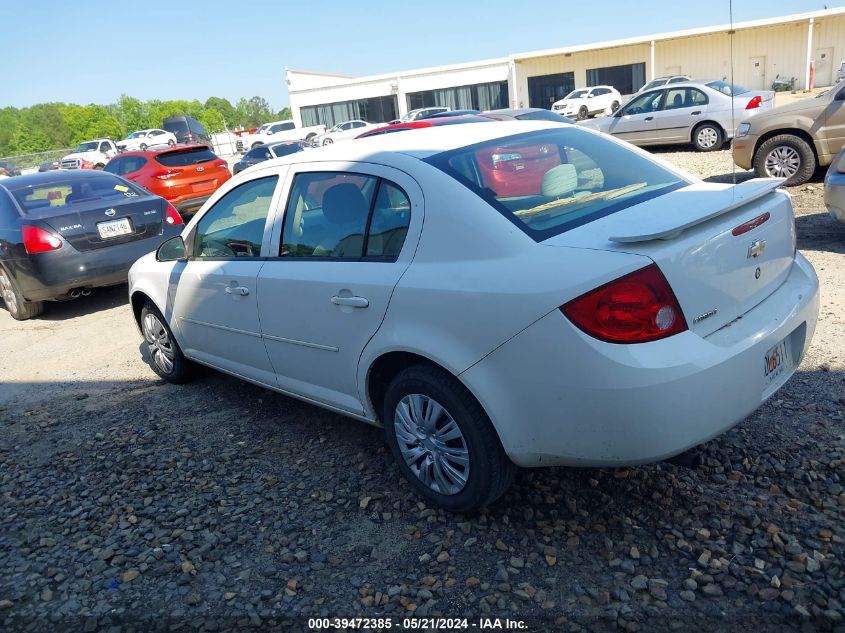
345 212
678 101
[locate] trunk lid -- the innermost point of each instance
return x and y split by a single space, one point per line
722 248
78 223
191 171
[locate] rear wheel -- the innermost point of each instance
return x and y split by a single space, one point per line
168 361
785 156
707 137
18 307
443 440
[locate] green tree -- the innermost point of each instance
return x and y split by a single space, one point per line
132 114
224 107
284 114
212 121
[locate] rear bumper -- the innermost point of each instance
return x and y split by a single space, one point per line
188 206
53 275
559 397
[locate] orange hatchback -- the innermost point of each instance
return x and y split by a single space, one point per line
185 175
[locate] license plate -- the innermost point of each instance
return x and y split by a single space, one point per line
202 186
776 362
114 228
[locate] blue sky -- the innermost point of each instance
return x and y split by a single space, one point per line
91 51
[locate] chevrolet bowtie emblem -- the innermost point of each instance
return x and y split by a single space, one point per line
756 249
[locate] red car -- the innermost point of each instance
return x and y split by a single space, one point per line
412 125
185 175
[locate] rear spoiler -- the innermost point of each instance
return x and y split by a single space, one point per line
693 205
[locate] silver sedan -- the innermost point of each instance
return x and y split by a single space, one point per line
704 114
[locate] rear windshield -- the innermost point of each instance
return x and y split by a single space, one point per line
65 192
551 181
727 88
184 157
176 127
543 115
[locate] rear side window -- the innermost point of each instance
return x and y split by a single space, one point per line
195 127
551 181
185 157
178 127
284 150
338 215
125 164
64 192
8 213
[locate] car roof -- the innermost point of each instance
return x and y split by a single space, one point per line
163 150
46 177
422 143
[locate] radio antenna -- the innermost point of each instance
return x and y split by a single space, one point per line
733 110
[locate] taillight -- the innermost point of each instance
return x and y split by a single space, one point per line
636 308
86 164
755 102
36 240
166 174
172 216
221 163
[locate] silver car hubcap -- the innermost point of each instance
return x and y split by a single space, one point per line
783 162
158 341
8 294
707 137
432 444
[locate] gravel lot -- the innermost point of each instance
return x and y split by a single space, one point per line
129 504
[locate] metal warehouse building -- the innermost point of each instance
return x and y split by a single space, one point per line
762 50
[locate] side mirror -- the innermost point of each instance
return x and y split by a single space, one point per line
172 250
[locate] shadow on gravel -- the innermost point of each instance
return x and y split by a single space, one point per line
99 299
820 232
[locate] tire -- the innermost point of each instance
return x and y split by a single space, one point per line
614 107
310 138
254 145
171 143
163 347
707 137
488 471
18 307
327 141
143 147
785 156
582 113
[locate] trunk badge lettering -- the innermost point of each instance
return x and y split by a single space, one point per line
757 273
706 315
756 249
110 212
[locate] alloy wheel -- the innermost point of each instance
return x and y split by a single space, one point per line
783 162
707 137
432 444
8 293
159 343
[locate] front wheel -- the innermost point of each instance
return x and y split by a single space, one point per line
143 147
100 166
443 441
327 141
18 307
168 361
785 156
582 113
614 107
171 143
707 137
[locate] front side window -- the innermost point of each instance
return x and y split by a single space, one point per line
649 102
341 215
234 226
551 181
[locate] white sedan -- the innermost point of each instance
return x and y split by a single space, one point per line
519 294
345 131
142 139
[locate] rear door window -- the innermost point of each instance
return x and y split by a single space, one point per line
125 164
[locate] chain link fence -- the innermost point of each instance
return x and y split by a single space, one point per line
26 163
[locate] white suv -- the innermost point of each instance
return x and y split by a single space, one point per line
587 102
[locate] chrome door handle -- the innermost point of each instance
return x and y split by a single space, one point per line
241 291
354 302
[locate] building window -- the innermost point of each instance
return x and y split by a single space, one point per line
544 90
374 110
488 96
627 78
